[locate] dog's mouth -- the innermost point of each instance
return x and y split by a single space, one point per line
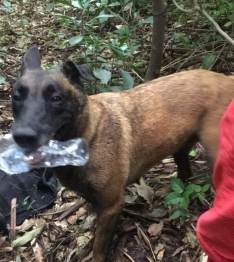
60 132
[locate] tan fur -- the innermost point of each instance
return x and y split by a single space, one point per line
129 132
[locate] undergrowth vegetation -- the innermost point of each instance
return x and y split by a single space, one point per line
114 37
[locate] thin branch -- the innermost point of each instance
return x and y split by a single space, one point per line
202 11
216 26
181 8
185 60
217 56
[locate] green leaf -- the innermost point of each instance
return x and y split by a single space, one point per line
184 202
201 196
193 188
230 5
229 23
192 153
21 241
138 70
25 21
49 6
101 88
148 20
130 199
117 51
114 4
3 81
192 239
231 17
177 35
101 59
208 61
62 2
176 214
65 17
115 88
179 213
103 19
104 2
193 195
75 39
128 81
177 185
7 4
102 16
77 4
103 75
205 188
172 198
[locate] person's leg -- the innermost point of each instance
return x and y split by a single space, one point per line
215 228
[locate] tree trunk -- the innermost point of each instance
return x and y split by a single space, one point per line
159 24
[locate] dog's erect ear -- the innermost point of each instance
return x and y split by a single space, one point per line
73 73
31 60
85 72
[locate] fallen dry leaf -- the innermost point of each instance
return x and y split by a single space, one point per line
178 250
158 248
72 219
63 223
5 249
145 191
203 257
161 254
89 222
88 257
192 239
155 229
84 239
38 252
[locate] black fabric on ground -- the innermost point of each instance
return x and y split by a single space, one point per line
35 191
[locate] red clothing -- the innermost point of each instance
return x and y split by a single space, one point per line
215 228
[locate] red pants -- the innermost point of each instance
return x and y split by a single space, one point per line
215 228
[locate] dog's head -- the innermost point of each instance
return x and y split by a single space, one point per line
47 103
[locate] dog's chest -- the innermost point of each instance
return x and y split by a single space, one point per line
76 179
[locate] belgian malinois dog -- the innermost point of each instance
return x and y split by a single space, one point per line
127 132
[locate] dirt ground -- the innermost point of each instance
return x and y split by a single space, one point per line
144 232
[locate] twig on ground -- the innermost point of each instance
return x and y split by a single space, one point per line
13 219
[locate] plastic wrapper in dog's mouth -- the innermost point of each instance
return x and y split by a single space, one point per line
13 160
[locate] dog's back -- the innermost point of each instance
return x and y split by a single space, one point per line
158 118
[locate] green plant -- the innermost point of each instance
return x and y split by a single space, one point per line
194 33
181 196
3 81
106 37
114 35
103 34
222 12
7 7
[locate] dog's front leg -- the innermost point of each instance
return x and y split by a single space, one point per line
107 218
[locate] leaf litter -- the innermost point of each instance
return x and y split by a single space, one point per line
144 232
65 232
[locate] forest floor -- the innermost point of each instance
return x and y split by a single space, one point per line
144 232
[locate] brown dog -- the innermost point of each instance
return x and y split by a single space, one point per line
127 132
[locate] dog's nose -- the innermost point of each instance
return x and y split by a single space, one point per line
25 138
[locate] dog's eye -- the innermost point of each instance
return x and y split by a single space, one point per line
55 99
16 98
